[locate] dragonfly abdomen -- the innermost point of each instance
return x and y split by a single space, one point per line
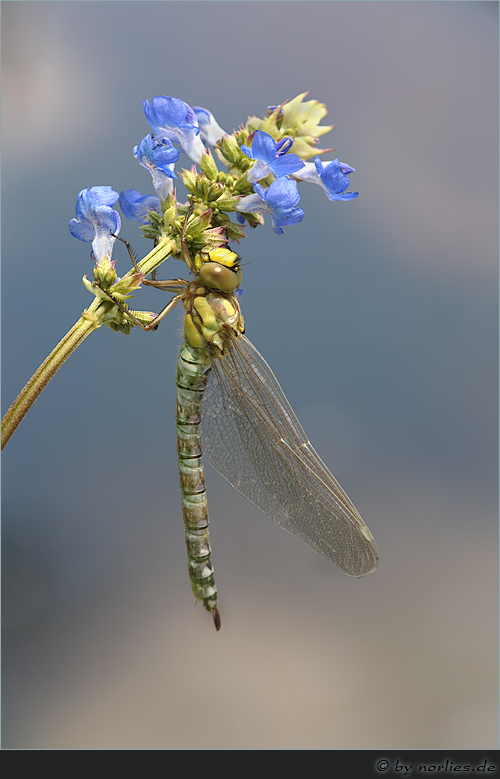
191 379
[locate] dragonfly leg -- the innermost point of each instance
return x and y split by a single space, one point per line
185 250
155 322
130 251
167 285
171 285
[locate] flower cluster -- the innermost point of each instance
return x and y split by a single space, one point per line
264 160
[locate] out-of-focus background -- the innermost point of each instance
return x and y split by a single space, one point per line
379 318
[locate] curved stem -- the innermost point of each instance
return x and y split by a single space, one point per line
156 256
90 320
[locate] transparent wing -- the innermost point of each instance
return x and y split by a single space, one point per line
251 435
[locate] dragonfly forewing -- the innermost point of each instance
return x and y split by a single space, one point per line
251 435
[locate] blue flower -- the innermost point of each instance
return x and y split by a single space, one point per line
158 155
331 176
271 157
136 206
209 129
96 220
279 200
172 118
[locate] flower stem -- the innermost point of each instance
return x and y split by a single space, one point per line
156 256
90 320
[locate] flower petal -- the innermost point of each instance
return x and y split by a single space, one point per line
136 206
174 119
96 220
209 129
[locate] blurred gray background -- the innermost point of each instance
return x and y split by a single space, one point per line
379 318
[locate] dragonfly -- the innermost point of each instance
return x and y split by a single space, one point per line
231 410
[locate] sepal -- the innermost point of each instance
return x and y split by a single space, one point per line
208 166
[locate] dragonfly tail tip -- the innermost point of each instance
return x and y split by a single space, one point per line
216 617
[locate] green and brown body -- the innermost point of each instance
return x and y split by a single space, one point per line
191 377
252 437
212 318
250 432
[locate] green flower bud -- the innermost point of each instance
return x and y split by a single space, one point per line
104 273
227 204
230 149
188 178
208 166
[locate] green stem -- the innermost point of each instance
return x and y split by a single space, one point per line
90 320
156 256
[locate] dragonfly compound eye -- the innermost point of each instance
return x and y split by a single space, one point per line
216 276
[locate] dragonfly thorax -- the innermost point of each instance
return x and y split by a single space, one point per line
212 317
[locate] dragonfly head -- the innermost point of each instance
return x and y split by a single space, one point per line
221 270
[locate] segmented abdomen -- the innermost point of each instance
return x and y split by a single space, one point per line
193 368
